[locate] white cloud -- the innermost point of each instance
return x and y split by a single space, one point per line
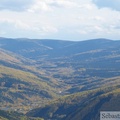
87 6
83 32
17 24
58 19
63 3
21 25
49 5
39 6
45 30
49 29
98 18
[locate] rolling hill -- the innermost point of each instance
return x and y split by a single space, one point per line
10 115
22 86
81 106
74 73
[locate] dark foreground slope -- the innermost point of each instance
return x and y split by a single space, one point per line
81 106
8 115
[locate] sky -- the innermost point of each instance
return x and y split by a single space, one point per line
60 19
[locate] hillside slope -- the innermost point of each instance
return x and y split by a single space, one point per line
32 72
81 106
22 89
9 115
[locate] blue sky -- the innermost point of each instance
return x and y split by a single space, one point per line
60 19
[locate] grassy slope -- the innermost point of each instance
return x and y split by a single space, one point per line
22 88
8 115
22 85
83 106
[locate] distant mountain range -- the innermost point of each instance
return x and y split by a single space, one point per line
79 76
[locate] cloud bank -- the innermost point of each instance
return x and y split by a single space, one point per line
60 19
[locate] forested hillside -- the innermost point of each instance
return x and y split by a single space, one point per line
63 79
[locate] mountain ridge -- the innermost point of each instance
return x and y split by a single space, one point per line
34 72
